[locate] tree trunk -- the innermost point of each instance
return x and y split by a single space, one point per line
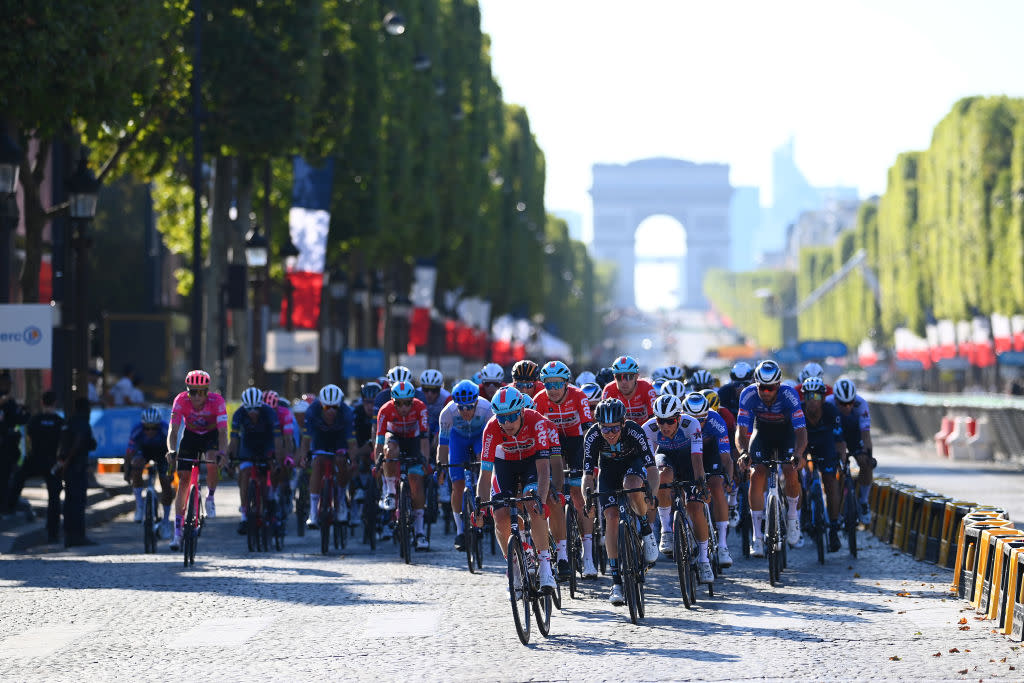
241 363
220 201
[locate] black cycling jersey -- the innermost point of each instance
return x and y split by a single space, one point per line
729 396
363 424
631 444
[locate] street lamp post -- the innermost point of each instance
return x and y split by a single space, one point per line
256 257
10 163
83 192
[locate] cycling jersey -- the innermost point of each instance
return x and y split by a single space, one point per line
413 424
451 421
639 406
687 438
256 438
715 430
362 423
328 437
856 422
287 422
212 415
434 409
785 409
384 395
631 444
532 439
729 395
140 439
570 415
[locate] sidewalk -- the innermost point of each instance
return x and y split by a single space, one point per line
110 497
988 483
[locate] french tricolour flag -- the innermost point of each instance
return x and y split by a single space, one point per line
308 223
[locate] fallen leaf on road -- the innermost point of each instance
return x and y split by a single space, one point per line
903 594
1013 668
856 575
902 611
963 620
962 671
1003 659
894 658
966 650
937 654
981 618
965 628
953 649
917 633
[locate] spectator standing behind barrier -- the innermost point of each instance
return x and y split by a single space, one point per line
12 415
76 443
42 439
121 392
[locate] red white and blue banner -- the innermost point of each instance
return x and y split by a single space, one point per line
308 222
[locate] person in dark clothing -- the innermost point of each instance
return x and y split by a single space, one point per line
43 438
76 443
12 415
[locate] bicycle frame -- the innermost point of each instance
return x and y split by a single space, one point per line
195 517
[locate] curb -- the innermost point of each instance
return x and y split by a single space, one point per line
101 506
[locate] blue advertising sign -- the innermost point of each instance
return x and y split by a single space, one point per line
787 356
821 348
1012 358
111 427
362 363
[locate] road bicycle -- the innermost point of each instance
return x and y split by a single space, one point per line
775 522
151 521
404 529
849 506
327 509
632 566
195 517
257 522
684 541
524 572
301 487
815 511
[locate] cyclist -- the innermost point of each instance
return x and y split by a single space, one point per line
435 397
363 427
516 451
729 394
585 377
329 438
826 445
568 409
672 372
592 391
460 440
718 463
399 373
678 447
255 433
402 431
856 420
619 448
525 378
700 380
673 387
491 379
812 369
147 443
205 419
772 412
732 488
604 377
286 419
636 394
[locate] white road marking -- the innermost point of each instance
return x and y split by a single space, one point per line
43 641
222 632
404 624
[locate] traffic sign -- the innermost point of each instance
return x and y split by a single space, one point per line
821 348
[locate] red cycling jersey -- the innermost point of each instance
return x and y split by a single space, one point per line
570 415
413 424
534 438
639 406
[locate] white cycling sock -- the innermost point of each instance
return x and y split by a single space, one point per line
314 504
723 528
756 518
138 496
458 524
794 504
702 551
417 521
588 547
665 513
389 485
560 549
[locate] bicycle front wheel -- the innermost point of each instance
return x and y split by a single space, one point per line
628 568
574 546
772 537
468 530
405 522
519 589
682 556
188 538
149 533
851 515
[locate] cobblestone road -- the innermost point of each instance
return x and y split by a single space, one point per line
110 612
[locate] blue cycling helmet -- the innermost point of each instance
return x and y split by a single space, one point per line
528 402
402 390
625 365
476 378
659 383
555 369
591 390
507 400
465 393
604 376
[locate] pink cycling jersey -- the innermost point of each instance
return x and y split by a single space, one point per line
211 416
284 416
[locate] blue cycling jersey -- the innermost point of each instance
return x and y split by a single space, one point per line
256 436
328 437
715 429
828 428
858 420
784 409
141 439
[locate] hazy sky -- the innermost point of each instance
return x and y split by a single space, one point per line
855 82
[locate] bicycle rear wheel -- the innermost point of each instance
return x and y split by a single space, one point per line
301 503
252 514
325 513
542 611
628 568
557 595
519 589
772 537
716 569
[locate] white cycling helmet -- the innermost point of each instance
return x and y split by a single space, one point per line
399 373
667 406
492 372
673 387
331 395
252 398
672 372
150 416
845 390
658 373
431 378
767 372
696 405
813 369
585 377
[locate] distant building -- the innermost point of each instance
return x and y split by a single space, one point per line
819 228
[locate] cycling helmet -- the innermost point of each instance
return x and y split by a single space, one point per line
431 378
585 377
658 384
674 387
528 402
625 365
673 372
524 371
555 369
701 379
696 405
300 406
657 373
767 372
399 373
591 390
370 390
813 370
477 378
610 410
812 385
712 396
845 391
667 406
383 382
742 372
402 390
604 376
507 400
271 398
330 395
492 372
252 398
150 416
197 378
465 393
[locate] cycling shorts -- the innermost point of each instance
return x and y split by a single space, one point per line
155 454
682 464
823 453
195 446
461 450
611 475
511 475
767 441
409 449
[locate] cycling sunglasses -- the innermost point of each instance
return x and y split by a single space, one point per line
555 385
768 388
524 385
403 402
198 392
668 420
845 404
611 429
465 406
150 427
433 390
505 418
626 376
813 396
